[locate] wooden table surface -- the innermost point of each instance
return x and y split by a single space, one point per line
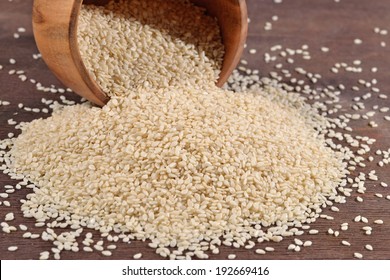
320 23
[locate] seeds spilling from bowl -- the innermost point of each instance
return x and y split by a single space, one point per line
172 158
150 44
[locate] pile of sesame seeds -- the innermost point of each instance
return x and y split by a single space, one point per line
164 165
68 242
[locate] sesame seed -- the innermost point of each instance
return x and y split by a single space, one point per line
357 218
269 249
297 248
260 252
9 217
12 248
167 161
44 255
369 247
23 227
137 256
298 242
291 247
359 199
324 49
106 253
358 255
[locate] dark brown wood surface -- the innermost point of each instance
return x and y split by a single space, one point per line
315 23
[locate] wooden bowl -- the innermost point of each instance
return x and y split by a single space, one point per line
55 32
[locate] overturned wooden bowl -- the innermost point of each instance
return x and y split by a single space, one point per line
55 31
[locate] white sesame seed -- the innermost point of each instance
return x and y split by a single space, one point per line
260 252
137 256
358 255
369 247
170 167
269 249
44 255
87 249
298 242
357 218
9 217
359 199
23 227
12 248
324 49
106 253
291 247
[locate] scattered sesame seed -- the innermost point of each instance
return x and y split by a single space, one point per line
291 247
260 252
358 255
335 209
12 248
106 253
298 242
23 227
357 218
9 217
324 49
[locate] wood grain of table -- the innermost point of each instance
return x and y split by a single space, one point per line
315 23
